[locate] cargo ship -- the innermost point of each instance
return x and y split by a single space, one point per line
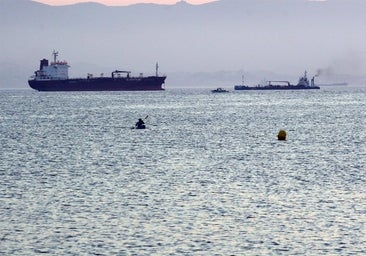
303 84
54 77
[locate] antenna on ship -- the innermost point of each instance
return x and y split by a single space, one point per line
157 69
55 54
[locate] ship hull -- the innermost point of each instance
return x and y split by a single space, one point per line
152 83
274 87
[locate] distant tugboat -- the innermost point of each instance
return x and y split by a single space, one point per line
55 77
303 84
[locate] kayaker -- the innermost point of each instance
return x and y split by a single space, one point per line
140 124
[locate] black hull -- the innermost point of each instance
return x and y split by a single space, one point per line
274 87
152 83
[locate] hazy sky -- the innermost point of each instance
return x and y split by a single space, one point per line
261 39
120 2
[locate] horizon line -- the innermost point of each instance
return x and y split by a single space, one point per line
113 3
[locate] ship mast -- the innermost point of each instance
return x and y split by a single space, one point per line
157 69
55 54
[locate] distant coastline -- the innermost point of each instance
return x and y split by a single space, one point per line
333 84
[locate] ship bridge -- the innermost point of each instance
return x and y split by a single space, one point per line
57 70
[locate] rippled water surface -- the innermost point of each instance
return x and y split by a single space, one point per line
207 177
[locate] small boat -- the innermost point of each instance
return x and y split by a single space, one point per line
303 84
219 90
140 127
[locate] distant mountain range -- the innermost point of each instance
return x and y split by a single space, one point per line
207 45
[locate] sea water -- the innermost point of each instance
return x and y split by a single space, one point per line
207 177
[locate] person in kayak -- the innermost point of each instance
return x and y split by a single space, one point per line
140 124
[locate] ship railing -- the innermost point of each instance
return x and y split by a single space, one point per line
118 73
59 63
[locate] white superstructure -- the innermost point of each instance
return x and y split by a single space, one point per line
58 70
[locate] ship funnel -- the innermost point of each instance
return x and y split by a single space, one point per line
44 63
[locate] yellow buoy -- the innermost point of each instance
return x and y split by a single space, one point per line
281 135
